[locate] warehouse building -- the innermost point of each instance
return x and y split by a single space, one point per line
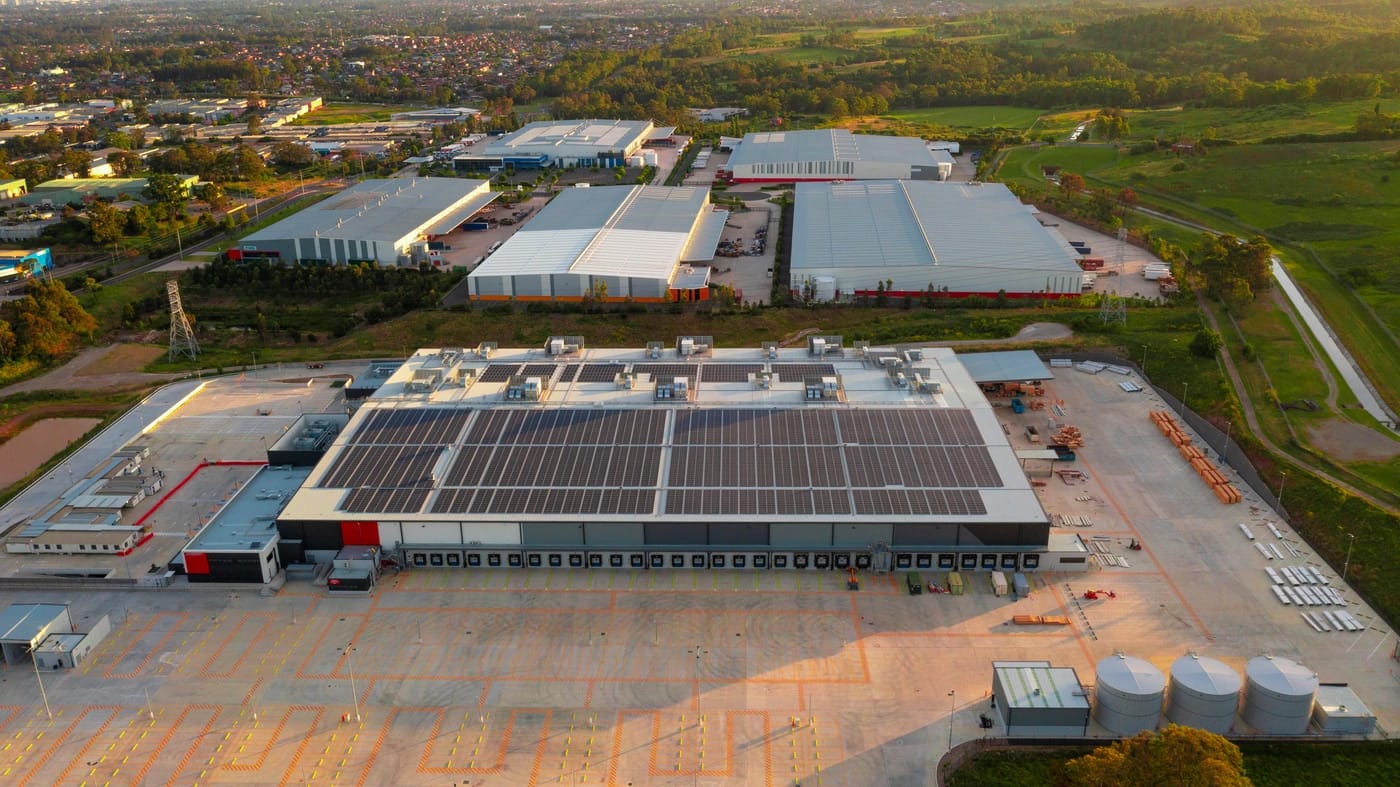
612 243
1035 699
924 239
240 542
76 191
829 154
386 222
680 457
24 626
560 143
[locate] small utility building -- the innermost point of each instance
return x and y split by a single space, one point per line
922 239
24 626
829 154
613 243
387 222
1036 699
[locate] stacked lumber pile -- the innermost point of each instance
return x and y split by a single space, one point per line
1069 436
1040 620
1224 491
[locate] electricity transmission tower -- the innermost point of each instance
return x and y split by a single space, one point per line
1112 307
182 341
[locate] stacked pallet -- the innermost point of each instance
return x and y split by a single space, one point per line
1224 491
1069 436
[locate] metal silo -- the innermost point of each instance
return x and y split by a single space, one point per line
1278 695
1204 694
1128 695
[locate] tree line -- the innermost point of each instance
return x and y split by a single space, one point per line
47 323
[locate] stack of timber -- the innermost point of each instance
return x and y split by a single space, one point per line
1224 491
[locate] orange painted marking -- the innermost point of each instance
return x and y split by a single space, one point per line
152 650
1078 635
62 738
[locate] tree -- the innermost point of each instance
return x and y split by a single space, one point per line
165 190
1175 757
254 124
7 341
106 224
1071 183
292 154
1206 343
1235 270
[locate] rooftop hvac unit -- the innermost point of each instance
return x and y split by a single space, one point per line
818 346
627 380
900 381
770 349
681 384
861 346
556 346
764 380
889 361
687 346
486 349
654 349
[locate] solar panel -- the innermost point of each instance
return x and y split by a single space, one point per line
795 372
728 372
498 372
569 373
539 370
667 371
375 500
600 372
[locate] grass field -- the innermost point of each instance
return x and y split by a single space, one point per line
1337 200
972 118
1266 764
333 114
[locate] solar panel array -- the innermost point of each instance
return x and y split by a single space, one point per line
570 371
600 372
796 372
498 372
695 461
539 370
728 372
668 371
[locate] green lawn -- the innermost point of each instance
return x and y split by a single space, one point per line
1338 200
1252 124
333 113
973 118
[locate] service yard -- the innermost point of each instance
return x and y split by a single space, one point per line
549 676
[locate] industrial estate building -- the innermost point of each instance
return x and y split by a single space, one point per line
612 243
562 143
923 238
830 154
388 222
76 191
23 263
692 457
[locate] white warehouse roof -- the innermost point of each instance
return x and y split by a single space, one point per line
966 237
828 144
570 138
389 210
632 231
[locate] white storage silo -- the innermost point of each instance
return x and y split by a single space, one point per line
1128 694
1204 694
1278 695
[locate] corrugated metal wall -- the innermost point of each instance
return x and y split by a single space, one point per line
614 534
799 534
546 533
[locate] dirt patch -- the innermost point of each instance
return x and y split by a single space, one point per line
120 359
1348 441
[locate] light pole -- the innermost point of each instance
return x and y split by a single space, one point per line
354 695
952 706
1347 565
1225 449
1281 484
1144 360
40 677
1185 389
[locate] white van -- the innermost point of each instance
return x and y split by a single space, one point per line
494 246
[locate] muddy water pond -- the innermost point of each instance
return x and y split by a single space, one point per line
28 450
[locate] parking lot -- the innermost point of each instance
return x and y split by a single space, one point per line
534 676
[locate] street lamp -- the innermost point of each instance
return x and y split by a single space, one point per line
1225 450
952 706
40 677
1281 484
1347 564
1144 360
1185 389
354 695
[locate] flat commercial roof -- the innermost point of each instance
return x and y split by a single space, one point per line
248 521
384 210
1036 684
740 447
1009 366
628 231
568 138
25 622
829 144
107 535
979 231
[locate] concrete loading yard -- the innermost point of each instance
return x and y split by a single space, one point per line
656 677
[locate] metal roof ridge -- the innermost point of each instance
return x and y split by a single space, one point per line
918 222
586 253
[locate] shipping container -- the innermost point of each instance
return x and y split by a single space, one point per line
999 586
1023 587
914 583
1091 263
955 583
